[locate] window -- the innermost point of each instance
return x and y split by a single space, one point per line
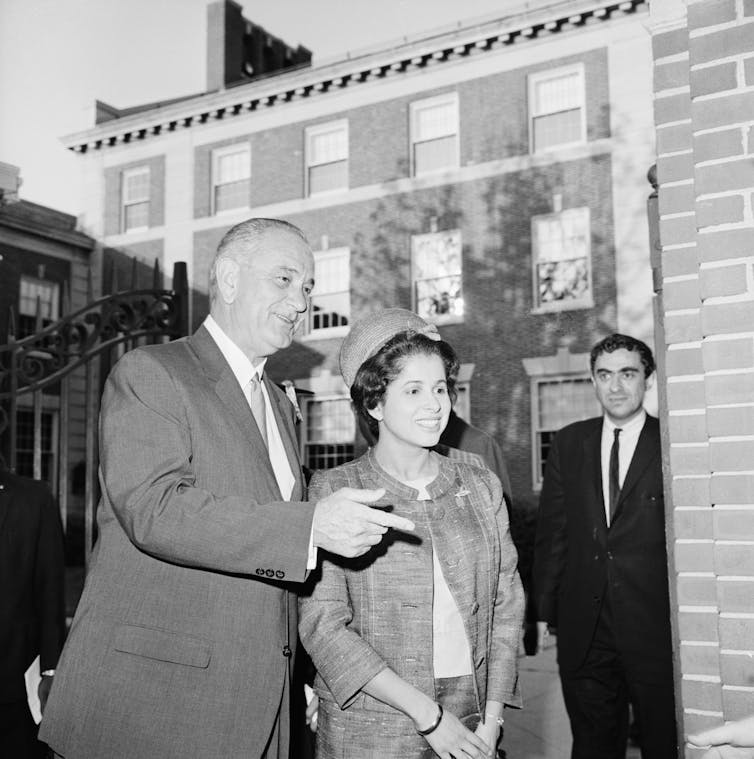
31 291
558 401
25 444
231 178
329 434
330 312
562 260
135 193
327 157
436 276
556 108
434 134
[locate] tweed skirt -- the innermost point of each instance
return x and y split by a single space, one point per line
359 733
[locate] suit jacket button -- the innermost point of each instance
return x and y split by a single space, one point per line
260 571
609 556
280 574
287 651
269 573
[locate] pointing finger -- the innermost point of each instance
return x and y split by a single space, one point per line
391 520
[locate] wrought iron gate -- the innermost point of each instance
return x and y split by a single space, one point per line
51 382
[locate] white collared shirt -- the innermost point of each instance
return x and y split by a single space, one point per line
627 441
244 370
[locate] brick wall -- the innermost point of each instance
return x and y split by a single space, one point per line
704 113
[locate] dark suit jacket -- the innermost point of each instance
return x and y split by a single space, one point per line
177 647
32 581
578 561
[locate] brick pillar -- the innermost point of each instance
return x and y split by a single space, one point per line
704 116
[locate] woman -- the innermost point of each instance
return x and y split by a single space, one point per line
416 642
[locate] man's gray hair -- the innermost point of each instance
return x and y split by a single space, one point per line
241 241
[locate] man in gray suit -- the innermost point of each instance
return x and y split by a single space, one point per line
183 640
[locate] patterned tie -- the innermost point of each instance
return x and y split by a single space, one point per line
258 408
614 473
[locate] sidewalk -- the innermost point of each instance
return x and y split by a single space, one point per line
540 730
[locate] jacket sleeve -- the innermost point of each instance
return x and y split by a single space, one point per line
147 450
49 583
344 660
508 611
550 545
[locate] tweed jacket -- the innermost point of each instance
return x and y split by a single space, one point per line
181 642
579 560
375 611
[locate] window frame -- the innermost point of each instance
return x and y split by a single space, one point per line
533 113
215 155
126 174
414 109
573 304
314 131
450 318
340 330
536 429
305 427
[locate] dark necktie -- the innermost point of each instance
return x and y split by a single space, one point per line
614 473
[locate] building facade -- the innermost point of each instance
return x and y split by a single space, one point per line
491 177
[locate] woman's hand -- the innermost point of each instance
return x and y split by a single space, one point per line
489 732
451 739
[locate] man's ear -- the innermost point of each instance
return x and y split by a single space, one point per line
228 272
649 381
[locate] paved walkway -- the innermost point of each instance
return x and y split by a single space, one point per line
540 730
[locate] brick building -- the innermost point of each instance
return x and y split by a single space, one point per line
490 176
704 274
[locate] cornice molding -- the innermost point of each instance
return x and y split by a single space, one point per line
286 87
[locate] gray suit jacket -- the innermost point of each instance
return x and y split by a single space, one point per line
177 647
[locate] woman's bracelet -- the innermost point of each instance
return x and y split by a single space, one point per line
435 724
494 718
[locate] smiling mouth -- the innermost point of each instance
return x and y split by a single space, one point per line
428 423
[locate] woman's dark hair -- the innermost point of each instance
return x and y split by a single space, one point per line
378 371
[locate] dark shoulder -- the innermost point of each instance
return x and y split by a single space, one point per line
17 485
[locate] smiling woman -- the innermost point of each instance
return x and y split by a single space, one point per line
416 642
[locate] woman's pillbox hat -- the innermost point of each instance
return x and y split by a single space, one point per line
369 334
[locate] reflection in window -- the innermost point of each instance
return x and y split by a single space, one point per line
436 274
562 261
31 291
331 300
330 431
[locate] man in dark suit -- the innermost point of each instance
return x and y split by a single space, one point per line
32 605
600 565
184 637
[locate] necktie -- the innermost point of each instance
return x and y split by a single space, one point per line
258 409
614 473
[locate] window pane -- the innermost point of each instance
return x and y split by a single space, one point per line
331 302
135 186
330 421
440 296
331 310
136 216
328 147
232 167
557 129
558 93
328 176
565 280
232 195
320 456
47 292
431 122
436 268
436 154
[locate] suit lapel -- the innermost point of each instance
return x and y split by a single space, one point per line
647 450
593 476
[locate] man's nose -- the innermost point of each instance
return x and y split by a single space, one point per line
615 383
299 299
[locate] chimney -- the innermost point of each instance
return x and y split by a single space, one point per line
10 181
239 51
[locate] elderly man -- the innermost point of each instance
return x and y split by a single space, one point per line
600 567
183 641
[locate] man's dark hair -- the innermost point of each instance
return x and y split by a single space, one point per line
615 342
378 371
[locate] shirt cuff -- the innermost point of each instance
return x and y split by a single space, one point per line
311 560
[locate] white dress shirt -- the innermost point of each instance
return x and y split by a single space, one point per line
627 441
